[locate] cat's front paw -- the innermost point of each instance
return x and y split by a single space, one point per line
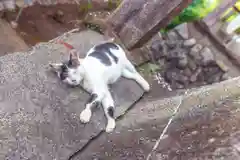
85 115
110 126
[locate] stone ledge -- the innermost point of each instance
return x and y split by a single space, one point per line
39 115
142 126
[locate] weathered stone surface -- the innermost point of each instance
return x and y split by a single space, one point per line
182 62
194 53
126 10
187 72
54 2
214 78
204 114
225 76
139 56
142 19
193 78
39 115
173 44
158 49
172 36
207 56
192 65
190 42
222 66
182 30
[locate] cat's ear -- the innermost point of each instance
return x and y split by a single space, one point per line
74 58
56 67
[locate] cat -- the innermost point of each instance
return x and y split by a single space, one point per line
103 64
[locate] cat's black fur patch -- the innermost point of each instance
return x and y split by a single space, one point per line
70 63
64 72
102 57
111 112
105 48
64 68
105 53
113 57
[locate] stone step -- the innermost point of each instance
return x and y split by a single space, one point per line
39 116
205 115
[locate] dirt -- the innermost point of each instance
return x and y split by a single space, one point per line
9 41
40 23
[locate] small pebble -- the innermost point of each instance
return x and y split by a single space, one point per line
222 66
190 42
194 132
165 136
225 76
211 140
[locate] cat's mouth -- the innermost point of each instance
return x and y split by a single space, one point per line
71 83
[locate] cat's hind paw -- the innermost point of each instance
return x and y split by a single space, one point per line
145 86
110 126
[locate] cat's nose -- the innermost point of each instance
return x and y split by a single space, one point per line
74 81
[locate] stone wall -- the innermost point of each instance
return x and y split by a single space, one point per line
186 63
136 22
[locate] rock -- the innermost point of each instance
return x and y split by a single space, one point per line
214 78
193 78
177 53
172 55
201 78
170 76
225 77
192 65
182 63
194 132
195 52
207 56
209 71
211 140
173 44
187 72
158 49
190 42
182 79
182 30
179 86
162 63
222 66
172 36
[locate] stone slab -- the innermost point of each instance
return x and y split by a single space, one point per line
205 115
39 116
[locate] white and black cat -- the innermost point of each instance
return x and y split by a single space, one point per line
104 64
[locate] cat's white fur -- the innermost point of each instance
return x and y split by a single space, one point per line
95 77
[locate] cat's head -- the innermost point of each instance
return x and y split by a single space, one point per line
69 71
